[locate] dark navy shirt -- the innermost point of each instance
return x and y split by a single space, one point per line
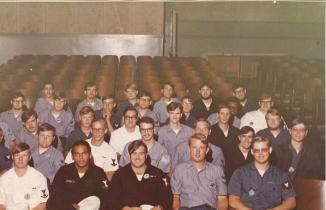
260 192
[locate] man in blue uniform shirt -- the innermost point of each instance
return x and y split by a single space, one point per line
259 185
197 184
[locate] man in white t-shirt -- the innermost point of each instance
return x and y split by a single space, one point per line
103 154
23 187
127 133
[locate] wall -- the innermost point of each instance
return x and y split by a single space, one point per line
285 28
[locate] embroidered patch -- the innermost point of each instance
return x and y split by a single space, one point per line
287 186
44 195
252 192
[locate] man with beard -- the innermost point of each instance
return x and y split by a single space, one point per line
240 92
207 104
139 185
275 130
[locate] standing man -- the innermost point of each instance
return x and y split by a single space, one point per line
240 92
127 133
46 101
260 185
275 131
207 104
79 185
256 119
91 99
187 117
300 157
144 103
139 184
223 134
159 156
197 184
174 133
84 130
46 158
167 98
28 134
12 117
104 155
23 187
131 91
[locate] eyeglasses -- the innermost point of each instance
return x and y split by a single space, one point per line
98 129
130 117
146 130
262 150
17 156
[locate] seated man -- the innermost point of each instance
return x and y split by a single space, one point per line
139 184
300 156
131 91
79 185
159 156
215 154
259 185
275 131
91 99
187 117
46 158
23 187
29 132
12 117
84 129
174 133
127 133
45 102
256 119
197 184
5 162
103 154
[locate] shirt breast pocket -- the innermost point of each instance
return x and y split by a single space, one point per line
273 193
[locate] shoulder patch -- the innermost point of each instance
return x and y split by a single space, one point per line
287 186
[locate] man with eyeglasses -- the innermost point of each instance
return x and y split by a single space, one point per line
207 104
103 154
12 117
23 187
260 185
256 119
158 154
127 133
79 185
300 157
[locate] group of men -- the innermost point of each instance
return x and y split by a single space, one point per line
132 155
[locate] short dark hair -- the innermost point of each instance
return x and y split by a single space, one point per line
299 119
205 84
59 95
186 97
20 147
246 129
17 95
46 127
130 108
201 119
48 83
89 84
81 143
110 96
173 106
132 86
147 120
28 114
169 84
263 96
144 93
222 106
134 145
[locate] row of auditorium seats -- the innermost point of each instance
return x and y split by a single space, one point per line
297 84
